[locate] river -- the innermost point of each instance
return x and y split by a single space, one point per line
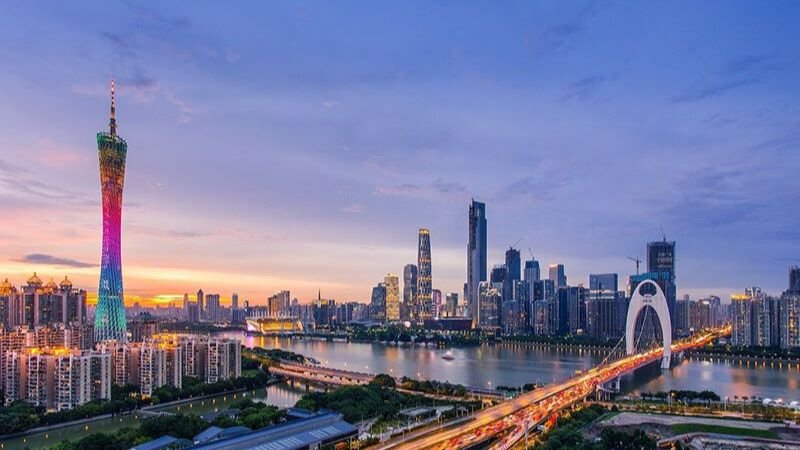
514 365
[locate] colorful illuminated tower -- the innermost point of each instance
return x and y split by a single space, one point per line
109 322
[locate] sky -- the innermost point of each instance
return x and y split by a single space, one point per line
300 145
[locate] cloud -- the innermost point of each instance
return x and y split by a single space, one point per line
44 259
788 141
167 233
581 89
232 57
558 37
185 110
532 188
713 89
721 196
734 74
437 190
743 64
171 233
354 208
21 182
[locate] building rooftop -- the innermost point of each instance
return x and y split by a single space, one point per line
163 443
215 433
322 428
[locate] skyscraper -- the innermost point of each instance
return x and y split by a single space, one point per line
110 314
377 304
513 264
392 297
424 277
557 275
661 263
409 291
606 307
794 280
476 255
532 271
200 309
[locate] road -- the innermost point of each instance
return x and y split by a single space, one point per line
517 415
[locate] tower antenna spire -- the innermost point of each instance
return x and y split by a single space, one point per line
112 125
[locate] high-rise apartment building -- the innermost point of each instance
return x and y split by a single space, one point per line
109 320
392 284
213 311
278 304
476 256
224 359
424 275
160 364
38 304
56 379
790 320
742 318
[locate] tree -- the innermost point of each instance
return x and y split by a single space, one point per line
383 380
618 440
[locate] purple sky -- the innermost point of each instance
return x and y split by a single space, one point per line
300 145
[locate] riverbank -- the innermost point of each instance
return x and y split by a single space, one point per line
752 358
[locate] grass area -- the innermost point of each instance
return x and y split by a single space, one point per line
250 372
682 428
607 416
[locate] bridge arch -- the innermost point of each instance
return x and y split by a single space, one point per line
659 304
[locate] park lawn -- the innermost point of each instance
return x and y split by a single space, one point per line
682 428
250 372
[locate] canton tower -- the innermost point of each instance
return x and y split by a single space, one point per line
109 322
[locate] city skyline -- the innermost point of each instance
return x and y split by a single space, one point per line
317 173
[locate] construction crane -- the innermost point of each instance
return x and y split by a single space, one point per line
637 261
